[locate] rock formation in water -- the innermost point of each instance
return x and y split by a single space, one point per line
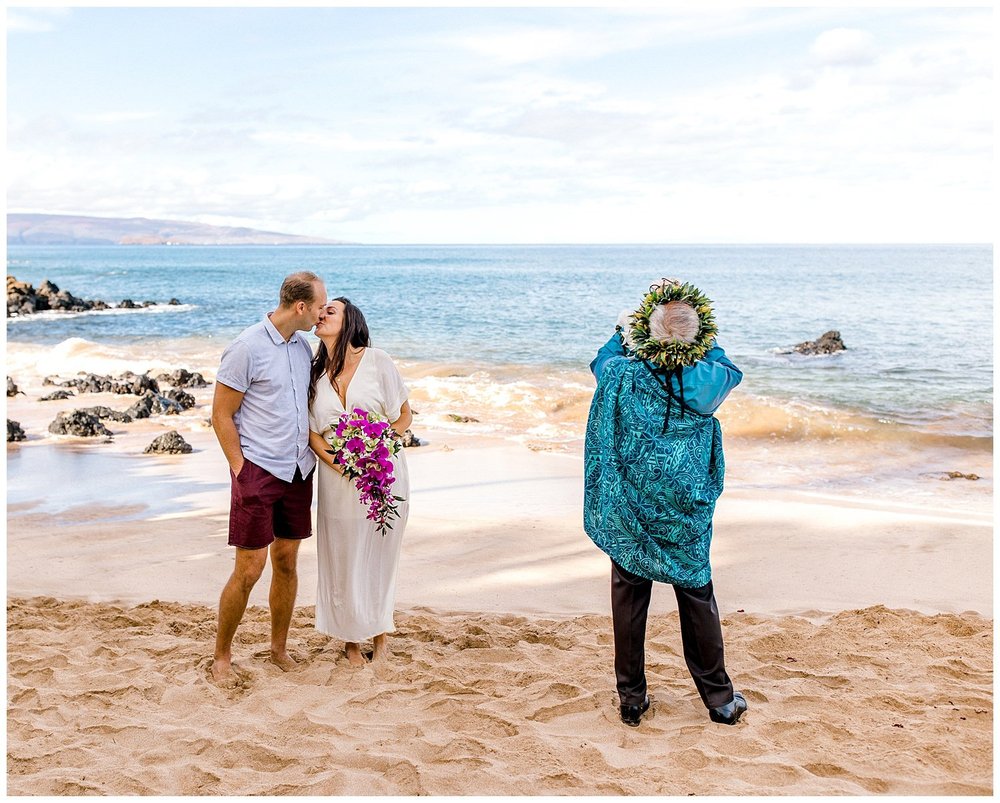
78 423
126 384
828 343
24 299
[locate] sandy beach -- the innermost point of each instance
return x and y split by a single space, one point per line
858 625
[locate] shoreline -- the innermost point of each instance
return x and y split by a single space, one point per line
520 397
511 487
513 513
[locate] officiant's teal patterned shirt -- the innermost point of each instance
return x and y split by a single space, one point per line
652 479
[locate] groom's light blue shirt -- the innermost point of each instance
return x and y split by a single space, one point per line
273 376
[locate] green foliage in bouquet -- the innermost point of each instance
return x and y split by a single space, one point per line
670 354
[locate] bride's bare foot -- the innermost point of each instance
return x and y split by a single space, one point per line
381 644
354 654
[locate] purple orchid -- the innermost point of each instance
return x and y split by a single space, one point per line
370 468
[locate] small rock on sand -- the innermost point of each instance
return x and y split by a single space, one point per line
169 443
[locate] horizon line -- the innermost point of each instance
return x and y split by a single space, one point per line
347 244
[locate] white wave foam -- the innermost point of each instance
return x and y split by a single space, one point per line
538 404
48 315
29 361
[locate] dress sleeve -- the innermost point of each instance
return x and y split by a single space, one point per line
314 423
236 367
394 391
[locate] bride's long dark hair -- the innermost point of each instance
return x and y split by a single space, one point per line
354 332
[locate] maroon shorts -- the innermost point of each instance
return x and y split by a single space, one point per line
264 507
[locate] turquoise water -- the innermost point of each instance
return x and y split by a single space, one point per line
917 320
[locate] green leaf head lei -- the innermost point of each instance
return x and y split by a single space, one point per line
672 353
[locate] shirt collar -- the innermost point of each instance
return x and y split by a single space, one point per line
272 330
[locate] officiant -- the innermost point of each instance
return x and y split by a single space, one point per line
654 469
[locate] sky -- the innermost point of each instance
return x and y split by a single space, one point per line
511 125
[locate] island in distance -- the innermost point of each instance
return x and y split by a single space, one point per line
38 229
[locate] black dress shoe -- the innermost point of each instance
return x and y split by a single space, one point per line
631 714
730 713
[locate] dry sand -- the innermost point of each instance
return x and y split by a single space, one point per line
107 699
859 630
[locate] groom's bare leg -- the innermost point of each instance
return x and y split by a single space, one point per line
232 604
284 586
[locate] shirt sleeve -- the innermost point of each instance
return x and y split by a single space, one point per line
236 367
708 382
613 348
395 392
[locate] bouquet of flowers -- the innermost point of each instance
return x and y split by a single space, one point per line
363 443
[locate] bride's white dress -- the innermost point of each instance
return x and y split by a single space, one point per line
357 565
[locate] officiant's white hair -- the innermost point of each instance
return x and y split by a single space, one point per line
674 320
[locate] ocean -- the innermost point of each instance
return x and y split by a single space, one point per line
505 333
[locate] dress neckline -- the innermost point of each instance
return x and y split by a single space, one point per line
343 402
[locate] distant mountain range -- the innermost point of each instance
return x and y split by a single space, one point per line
29 229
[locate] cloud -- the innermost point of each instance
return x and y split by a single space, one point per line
844 46
542 140
34 20
116 117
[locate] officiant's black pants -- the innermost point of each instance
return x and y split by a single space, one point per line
701 635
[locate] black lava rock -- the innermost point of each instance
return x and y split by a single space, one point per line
182 378
14 432
78 423
58 394
24 299
169 443
103 413
126 384
828 343
155 404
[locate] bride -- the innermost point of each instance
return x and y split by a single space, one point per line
356 564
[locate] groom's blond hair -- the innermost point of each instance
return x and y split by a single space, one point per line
297 287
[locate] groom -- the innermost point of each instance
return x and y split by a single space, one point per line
260 416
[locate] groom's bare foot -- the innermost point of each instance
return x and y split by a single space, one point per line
381 652
283 660
223 674
354 654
